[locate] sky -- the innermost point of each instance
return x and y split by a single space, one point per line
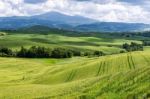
137 11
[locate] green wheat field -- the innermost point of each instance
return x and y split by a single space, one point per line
113 76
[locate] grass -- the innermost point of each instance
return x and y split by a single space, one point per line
109 46
118 76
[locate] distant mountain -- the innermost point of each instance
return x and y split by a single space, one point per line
51 19
67 22
113 27
66 19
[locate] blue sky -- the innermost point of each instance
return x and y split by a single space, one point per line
103 10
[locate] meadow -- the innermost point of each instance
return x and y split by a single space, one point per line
114 76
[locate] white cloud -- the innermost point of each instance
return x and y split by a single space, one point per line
102 10
10 7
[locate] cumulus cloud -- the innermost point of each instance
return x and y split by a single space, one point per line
102 10
10 7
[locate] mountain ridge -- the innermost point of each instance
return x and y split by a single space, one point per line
113 27
51 19
67 22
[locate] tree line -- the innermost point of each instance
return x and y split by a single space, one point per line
146 43
43 52
132 47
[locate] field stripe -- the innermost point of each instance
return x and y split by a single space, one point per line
99 69
71 75
131 58
104 66
128 59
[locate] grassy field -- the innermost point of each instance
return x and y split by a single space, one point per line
117 76
107 45
109 77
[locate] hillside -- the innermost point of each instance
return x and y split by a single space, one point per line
116 76
106 43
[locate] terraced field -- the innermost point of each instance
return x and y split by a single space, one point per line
117 76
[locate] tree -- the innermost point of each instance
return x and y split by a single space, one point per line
35 52
6 52
23 52
126 46
132 47
61 53
98 53
146 43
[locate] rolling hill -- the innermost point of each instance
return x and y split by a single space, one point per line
109 77
114 76
58 38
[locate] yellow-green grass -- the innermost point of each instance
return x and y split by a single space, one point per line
147 48
106 45
109 77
